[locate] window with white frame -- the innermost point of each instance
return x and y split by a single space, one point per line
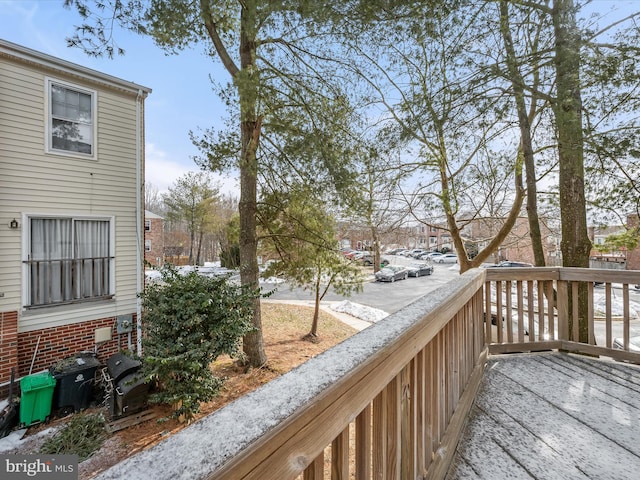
71 122
147 225
69 260
147 245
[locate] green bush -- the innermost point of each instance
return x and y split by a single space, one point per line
189 320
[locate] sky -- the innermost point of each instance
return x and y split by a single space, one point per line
181 100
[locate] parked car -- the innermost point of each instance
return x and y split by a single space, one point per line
391 273
447 258
367 260
634 344
430 255
395 251
350 255
420 269
508 263
411 252
417 252
359 255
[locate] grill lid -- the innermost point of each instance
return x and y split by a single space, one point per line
120 365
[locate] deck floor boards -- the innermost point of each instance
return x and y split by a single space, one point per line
552 416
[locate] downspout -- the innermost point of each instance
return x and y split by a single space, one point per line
139 213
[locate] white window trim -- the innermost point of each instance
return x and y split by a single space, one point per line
47 119
145 245
147 223
26 229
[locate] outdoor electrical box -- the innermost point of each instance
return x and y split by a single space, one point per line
124 323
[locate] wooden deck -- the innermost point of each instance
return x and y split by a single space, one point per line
552 416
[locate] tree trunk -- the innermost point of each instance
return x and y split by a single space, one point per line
525 137
250 126
456 236
376 249
313 333
199 252
575 245
192 237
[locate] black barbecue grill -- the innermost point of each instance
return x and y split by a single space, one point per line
128 390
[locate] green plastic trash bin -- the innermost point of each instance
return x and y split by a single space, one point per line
35 399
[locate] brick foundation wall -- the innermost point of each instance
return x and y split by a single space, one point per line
16 349
61 342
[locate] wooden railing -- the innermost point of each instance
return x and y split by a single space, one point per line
386 403
390 402
534 308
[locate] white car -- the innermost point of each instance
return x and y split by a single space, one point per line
634 344
446 258
431 255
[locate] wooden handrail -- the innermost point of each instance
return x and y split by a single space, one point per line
389 402
403 381
547 318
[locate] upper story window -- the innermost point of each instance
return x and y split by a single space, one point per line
147 225
68 260
71 119
147 245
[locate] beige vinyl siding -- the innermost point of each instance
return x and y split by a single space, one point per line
35 182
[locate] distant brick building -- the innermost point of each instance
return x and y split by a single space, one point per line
153 239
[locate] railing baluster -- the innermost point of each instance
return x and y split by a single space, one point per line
431 400
541 288
499 310
574 311
592 336
625 315
380 434
530 310
608 335
408 427
563 310
315 471
421 417
551 305
363 444
509 311
520 305
340 456
394 429
487 313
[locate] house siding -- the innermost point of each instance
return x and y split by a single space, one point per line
36 182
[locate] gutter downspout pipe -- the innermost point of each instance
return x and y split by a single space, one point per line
139 214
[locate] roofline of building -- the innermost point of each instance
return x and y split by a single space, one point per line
28 55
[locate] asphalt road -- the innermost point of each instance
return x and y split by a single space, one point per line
389 297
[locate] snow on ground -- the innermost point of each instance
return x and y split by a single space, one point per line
617 306
15 439
368 314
